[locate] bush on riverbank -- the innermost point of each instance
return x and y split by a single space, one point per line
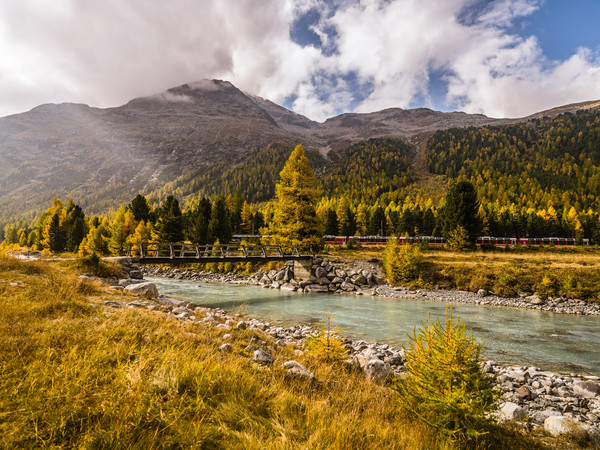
446 386
75 374
402 263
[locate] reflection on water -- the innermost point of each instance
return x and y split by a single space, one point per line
516 336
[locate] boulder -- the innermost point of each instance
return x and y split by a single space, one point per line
534 299
359 361
558 425
316 288
371 353
586 389
169 301
376 371
524 392
136 274
541 416
320 272
280 275
241 325
348 287
482 293
146 290
262 357
512 411
226 348
288 287
359 280
297 370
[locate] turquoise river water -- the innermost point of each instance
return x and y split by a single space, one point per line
559 342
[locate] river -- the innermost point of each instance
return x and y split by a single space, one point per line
559 342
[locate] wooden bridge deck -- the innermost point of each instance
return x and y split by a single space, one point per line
182 253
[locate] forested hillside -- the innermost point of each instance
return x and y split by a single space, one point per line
535 178
538 178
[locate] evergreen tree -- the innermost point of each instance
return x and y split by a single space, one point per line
170 222
461 210
331 225
53 235
74 226
200 218
377 222
296 221
219 227
140 208
235 204
75 234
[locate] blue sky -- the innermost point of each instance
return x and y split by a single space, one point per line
503 58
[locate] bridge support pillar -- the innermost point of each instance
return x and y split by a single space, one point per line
302 269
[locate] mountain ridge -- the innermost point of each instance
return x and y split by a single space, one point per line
103 157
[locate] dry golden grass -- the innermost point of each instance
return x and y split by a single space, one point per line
571 272
76 375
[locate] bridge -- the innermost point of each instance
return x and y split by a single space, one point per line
183 253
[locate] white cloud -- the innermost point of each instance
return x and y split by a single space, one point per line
105 53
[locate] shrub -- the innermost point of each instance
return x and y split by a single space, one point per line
445 386
95 265
327 344
458 239
507 280
402 262
353 244
547 287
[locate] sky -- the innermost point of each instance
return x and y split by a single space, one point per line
320 58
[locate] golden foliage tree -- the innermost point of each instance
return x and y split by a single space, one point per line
446 386
295 221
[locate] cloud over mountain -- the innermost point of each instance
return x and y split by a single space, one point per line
319 57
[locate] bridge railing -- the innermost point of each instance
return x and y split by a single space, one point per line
186 250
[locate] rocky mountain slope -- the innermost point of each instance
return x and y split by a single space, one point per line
103 157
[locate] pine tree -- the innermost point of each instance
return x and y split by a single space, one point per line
461 210
53 235
140 208
377 222
170 222
200 218
219 227
296 221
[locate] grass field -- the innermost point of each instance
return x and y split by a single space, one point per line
570 272
75 375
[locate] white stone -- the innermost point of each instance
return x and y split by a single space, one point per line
146 290
297 370
586 389
512 411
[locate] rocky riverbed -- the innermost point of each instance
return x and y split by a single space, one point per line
366 278
560 403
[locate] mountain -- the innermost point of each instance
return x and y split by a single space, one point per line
198 137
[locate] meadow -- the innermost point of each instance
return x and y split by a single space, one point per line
76 374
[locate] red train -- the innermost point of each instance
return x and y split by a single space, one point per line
434 240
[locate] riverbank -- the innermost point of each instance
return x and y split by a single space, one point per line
530 395
364 278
